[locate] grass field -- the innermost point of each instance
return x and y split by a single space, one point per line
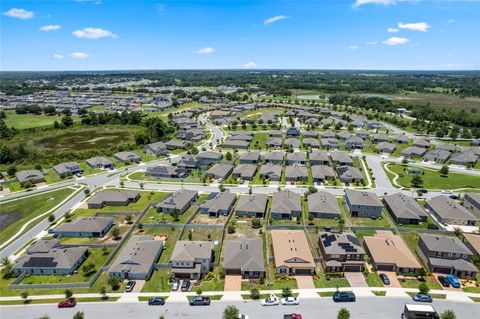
25 121
433 180
259 141
15 213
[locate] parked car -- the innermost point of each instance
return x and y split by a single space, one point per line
175 284
385 279
67 303
200 301
156 301
292 316
453 196
422 298
453 281
443 281
185 285
272 301
446 191
423 191
242 316
130 285
289 301
344 297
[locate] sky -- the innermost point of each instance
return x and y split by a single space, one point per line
334 34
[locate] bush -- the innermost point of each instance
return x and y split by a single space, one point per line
256 223
286 292
254 294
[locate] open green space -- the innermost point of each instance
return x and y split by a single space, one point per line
26 121
259 141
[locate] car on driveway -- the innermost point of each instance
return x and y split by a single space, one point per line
422 298
271 301
156 301
344 297
384 278
130 285
185 285
175 284
443 281
200 301
289 301
292 316
67 303
453 281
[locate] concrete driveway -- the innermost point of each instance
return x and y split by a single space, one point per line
233 283
356 279
394 282
305 282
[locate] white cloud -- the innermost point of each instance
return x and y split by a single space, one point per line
58 56
250 65
50 27
396 41
207 50
392 30
371 42
79 55
451 21
353 47
359 3
275 19
94 33
19 14
418 26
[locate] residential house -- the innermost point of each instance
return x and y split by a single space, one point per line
341 252
449 212
272 172
380 138
404 209
244 257
209 157
344 135
292 142
365 135
85 227
33 176
67 169
401 139
472 241
274 142
285 205
179 200
363 204
385 147
275 133
165 171
350 174
43 246
252 205
311 142
176 144
275 157
323 205
446 147
292 253
471 201
293 131
354 142
127 157
235 144
321 173
191 259
329 143
218 204
413 151
220 171
157 149
56 261
437 155
318 158
341 158
464 158
295 173
249 157
111 197
97 162
329 134
421 142
297 158
245 171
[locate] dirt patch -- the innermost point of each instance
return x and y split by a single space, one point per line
162 238
206 219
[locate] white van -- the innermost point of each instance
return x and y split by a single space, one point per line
419 311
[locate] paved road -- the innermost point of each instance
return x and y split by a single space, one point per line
364 308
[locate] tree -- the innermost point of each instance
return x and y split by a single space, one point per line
105 250
7 267
341 223
114 282
51 218
228 156
231 312
256 223
190 235
88 268
140 226
67 121
444 170
448 314
11 170
416 180
209 236
116 233
103 292
68 293
231 228
128 219
175 214
423 288
286 292
254 293
199 291
86 191
343 314
24 296
310 217
44 317
79 315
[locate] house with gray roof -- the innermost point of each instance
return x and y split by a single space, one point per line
405 209
165 171
323 205
329 143
321 173
400 138
137 258
275 133
209 157
354 142
157 149
85 227
341 252
437 155
111 197
471 201
191 259
293 131
311 142
249 157
344 135
271 171
218 204
57 261
43 246
363 204
329 134
385 147
252 205
285 205
446 255
464 158
189 162
242 136
446 147
421 142
380 138
350 174
318 158
220 171
297 158
244 257
33 176
67 169
341 158
275 157
180 200
245 171
312 134
413 151
274 142
235 144
292 142
363 134
127 157
295 173
98 162
176 144
449 212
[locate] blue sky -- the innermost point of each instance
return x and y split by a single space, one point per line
335 34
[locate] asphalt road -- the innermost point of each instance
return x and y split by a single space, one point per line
364 308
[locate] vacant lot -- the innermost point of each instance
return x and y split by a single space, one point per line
15 213
25 121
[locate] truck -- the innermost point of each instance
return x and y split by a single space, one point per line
419 311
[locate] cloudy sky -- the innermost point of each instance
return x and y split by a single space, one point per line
340 34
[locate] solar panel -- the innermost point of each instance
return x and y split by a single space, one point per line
40 262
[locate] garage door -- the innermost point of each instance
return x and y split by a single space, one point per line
303 272
233 272
385 267
352 268
442 270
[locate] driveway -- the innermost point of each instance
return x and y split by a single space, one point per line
394 282
356 279
305 282
233 283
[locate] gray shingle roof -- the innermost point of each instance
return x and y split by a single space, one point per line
245 254
446 244
323 202
285 202
255 203
448 208
190 250
363 198
220 201
85 224
404 206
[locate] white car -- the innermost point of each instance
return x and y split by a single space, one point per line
272 301
447 192
289 301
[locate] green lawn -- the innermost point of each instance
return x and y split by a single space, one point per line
56 300
323 282
154 217
259 141
373 280
17 212
276 284
414 283
379 293
214 284
433 180
159 282
25 121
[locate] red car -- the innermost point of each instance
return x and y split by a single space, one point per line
68 303
292 316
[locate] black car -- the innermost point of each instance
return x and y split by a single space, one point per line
185 285
385 279
344 297
156 301
200 301
423 191
443 281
